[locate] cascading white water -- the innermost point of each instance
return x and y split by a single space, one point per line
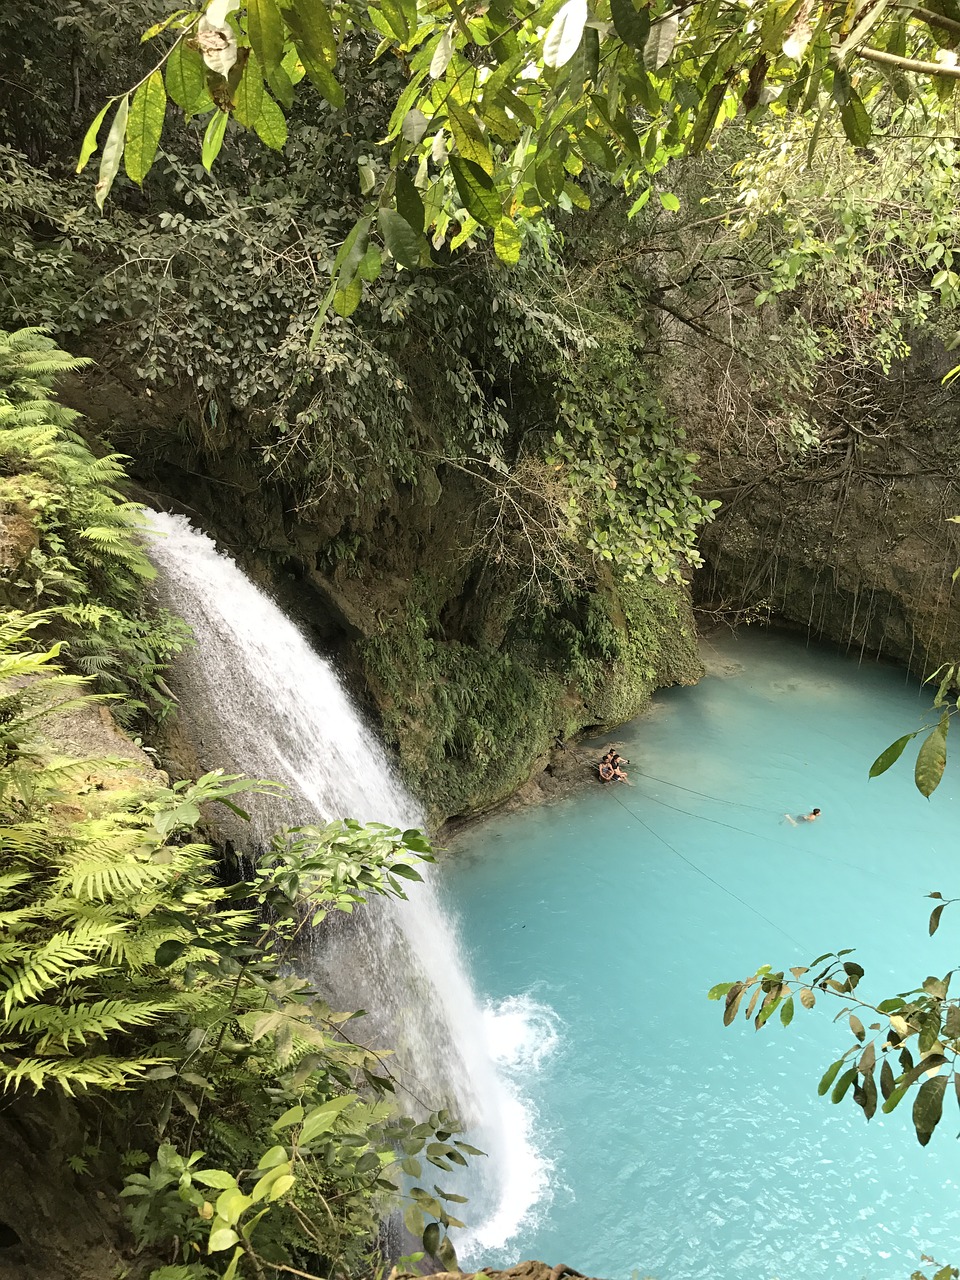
258 699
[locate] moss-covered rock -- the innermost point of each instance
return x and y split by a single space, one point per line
472 719
473 670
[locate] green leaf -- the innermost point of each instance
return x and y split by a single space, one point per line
935 915
828 1077
856 120
265 29
347 296
112 152
293 1116
396 19
187 80
370 265
469 138
413 1220
890 756
928 1108
248 98
282 1185
476 190
660 42
707 118
786 1012
447 1254
843 1084
550 173
632 27
932 758
506 241
431 1238
565 33
213 138
320 1119
275 1156
842 87
314 37
401 239
317 27
144 127
218 1178
669 201
353 248
168 952
232 1204
409 204
719 990
886 1079
271 124
231 1271
640 202
89 144
404 104
222 1236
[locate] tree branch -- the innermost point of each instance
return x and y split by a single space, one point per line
933 19
909 64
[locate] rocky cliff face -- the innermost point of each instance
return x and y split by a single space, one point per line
852 539
473 675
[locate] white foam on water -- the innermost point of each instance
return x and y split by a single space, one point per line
258 699
521 1035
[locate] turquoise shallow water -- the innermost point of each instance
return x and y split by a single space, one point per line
681 1149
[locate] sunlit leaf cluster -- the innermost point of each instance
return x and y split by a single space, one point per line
506 106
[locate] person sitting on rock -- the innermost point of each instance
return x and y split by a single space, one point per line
611 767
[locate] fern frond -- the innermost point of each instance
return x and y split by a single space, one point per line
99 880
30 840
71 1074
61 958
12 880
75 1024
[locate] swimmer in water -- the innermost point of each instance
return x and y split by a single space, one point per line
812 816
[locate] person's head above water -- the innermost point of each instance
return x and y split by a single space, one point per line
815 813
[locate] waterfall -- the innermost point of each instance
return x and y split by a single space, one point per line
257 699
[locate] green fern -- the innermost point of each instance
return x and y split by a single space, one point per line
89 554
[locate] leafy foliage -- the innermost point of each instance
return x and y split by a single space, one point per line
503 109
919 1030
72 542
126 965
932 755
470 712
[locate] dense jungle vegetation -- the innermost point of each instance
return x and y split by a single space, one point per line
357 260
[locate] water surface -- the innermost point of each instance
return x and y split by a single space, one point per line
681 1149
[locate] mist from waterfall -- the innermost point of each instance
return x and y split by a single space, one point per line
257 699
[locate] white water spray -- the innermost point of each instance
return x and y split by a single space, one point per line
257 699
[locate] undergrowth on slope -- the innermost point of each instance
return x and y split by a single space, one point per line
69 541
130 971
